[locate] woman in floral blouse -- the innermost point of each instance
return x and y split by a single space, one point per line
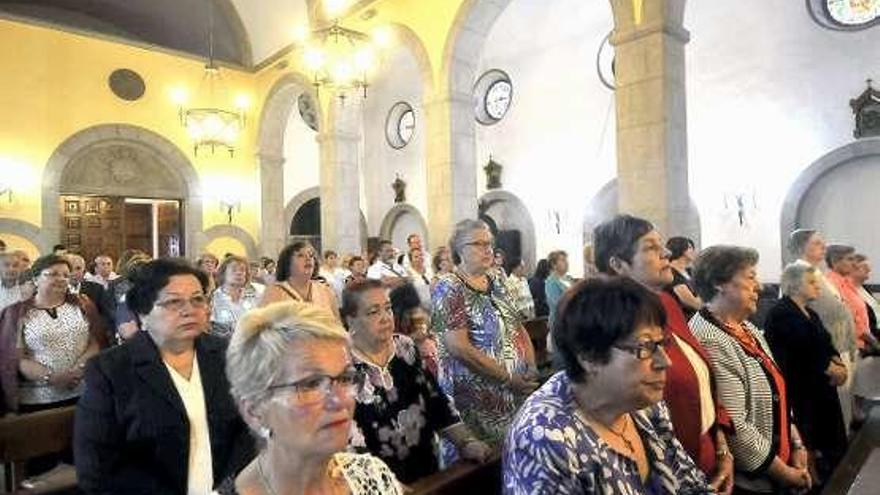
400 408
600 426
235 295
487 364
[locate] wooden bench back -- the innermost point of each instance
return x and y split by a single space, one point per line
26 436
461 478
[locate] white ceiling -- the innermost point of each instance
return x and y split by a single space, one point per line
270 24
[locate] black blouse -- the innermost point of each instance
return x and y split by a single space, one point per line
399 411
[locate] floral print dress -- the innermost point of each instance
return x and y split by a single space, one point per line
491 317
552 449
399 411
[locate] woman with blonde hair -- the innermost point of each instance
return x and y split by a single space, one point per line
290 371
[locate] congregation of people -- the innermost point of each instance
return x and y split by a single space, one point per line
665 370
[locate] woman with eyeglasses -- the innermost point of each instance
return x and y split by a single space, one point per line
291 372
600 425
294 280
631 247
156 416
767 448
401 407
46 341
487 363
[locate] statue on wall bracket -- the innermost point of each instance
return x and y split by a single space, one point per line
866 109
493 171
399 186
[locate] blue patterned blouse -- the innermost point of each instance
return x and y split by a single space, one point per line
551 449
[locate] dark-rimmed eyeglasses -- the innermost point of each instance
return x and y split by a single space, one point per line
317 388
646 349
178 303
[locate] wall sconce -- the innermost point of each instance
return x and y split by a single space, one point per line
228 205
742 203
6 190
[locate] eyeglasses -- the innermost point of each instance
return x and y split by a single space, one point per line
377 312
177 304
481 244
646 349
316 389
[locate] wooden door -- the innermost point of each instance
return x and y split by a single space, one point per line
139 226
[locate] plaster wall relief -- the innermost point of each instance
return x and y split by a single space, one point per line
121 170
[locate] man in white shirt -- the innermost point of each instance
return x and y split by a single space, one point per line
332 273
103 271
385 269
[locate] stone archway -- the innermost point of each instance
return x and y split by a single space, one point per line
396 214
603 206
792 204
304 197
235 232
25 230
170 166
508 212
279 104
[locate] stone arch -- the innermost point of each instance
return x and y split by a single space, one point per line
279 102
519 219
602 207
472 24
235 232
413 42
395 214
304 197
791 207
164 151
25 230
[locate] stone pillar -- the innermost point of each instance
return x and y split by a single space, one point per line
652 168
273 231
340 181
451 163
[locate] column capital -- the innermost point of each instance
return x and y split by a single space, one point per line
677 32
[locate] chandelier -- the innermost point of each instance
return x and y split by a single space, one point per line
340 59
209 125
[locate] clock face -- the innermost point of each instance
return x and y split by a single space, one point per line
497 99
406 126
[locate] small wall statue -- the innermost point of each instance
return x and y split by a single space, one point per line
493 171
399 186
866 109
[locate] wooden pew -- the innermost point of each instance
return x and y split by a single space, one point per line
463 478
26 436
538 331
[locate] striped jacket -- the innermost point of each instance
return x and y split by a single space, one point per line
749 395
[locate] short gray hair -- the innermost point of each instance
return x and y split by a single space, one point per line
798 239
461 235
836 252
261 343
792 278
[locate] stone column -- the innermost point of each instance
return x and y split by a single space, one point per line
652 168
273 231
451 163
340 182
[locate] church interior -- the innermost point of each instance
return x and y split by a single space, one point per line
238 127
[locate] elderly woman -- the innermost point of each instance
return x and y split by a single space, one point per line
600 426
767 448
811 366
156 415
518 288
631 247
234 296
411 319
401 407
296 269
682 253
487 364
441 263
557 282
46 341
291 373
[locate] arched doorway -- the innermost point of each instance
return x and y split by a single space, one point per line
511 224
113 187
814 199
401 221
303 218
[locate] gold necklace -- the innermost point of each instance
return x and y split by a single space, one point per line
621 434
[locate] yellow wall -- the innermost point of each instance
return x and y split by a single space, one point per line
54 84
222 245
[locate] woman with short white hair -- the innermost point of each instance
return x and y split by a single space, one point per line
290 371
811 366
